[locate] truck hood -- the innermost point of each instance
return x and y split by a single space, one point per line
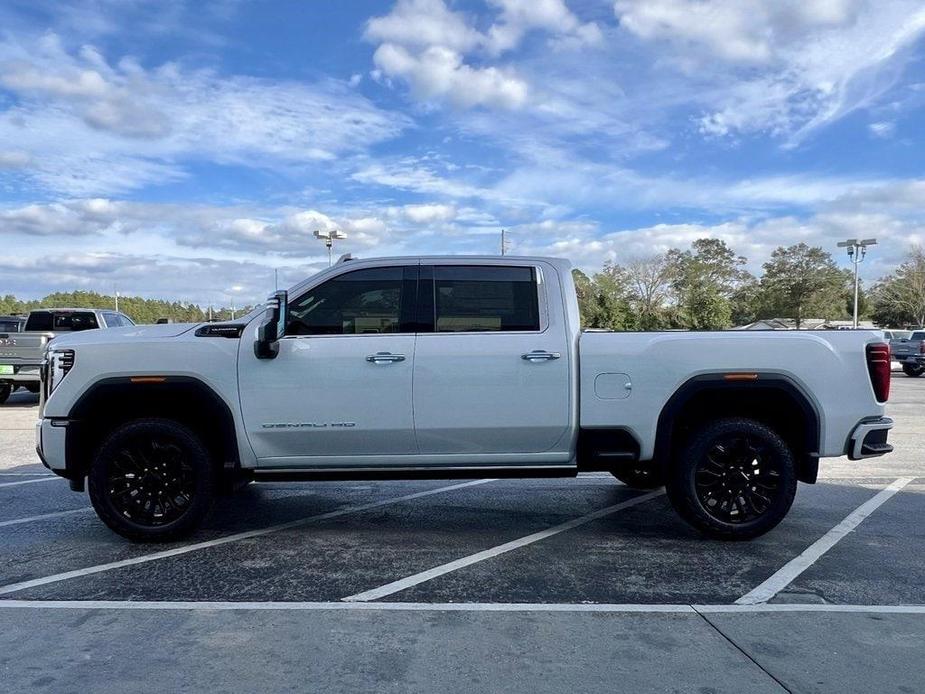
89 337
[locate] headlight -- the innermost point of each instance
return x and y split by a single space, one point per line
58 362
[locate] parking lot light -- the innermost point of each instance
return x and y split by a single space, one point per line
857 250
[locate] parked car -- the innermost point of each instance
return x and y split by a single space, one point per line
21 354
910 353
453 367
11 324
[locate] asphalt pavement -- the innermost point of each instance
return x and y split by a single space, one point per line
482 585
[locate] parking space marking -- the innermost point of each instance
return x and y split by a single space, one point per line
41 479
27 474
645 608
424 576
789 572
185 549
44 516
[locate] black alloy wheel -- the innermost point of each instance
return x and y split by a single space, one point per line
913 370
152 480
735 480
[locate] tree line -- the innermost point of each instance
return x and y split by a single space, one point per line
704 288
139 309
708 288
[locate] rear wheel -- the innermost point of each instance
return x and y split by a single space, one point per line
735 480
641 476
152 481
5 390
913 370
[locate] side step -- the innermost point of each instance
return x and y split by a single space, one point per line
419 473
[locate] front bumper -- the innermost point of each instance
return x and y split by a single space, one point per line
50 443
868 440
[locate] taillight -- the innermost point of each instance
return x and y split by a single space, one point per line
922 347
878 366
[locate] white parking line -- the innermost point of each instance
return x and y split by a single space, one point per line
185 549
27 474
44 516
789 572
203 606
416 579
41 479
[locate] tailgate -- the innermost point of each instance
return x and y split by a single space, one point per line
22 348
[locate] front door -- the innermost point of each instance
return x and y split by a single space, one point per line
340 387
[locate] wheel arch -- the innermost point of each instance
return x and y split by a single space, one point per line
111 402
768 397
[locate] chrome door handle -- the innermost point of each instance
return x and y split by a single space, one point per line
540 355
385 358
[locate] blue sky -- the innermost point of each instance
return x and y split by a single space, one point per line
189 149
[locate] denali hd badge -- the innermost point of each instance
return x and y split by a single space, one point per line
308 425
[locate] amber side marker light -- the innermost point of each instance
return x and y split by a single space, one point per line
741 377
148 379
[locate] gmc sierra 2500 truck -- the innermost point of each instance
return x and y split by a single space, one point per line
452 367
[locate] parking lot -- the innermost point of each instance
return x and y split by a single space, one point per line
500 585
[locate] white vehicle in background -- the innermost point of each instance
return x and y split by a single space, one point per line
452 367
21 353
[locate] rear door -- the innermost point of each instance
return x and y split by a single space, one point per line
491 372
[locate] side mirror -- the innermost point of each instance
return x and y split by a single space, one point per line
273 326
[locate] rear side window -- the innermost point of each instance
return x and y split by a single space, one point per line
61 321
485 299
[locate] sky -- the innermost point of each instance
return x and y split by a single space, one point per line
190 149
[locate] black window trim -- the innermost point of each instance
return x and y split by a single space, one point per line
406 319
539 281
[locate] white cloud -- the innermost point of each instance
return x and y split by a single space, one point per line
426 213
748 31
90 127
423 23
440 54
439 73
786 68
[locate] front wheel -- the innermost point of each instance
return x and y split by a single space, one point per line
913 370
152 481
735 480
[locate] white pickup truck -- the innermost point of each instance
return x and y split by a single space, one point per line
439 367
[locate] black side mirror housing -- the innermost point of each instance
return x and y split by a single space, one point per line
273 326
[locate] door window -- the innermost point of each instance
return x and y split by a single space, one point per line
485 299
371 301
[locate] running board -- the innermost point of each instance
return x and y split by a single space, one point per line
410 473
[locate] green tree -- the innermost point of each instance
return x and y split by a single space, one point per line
800 281
704 283
899 298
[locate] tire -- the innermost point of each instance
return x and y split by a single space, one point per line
147 506
913 370
739 449
5 390
644 476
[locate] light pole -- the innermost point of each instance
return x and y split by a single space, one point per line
856 252
328 238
